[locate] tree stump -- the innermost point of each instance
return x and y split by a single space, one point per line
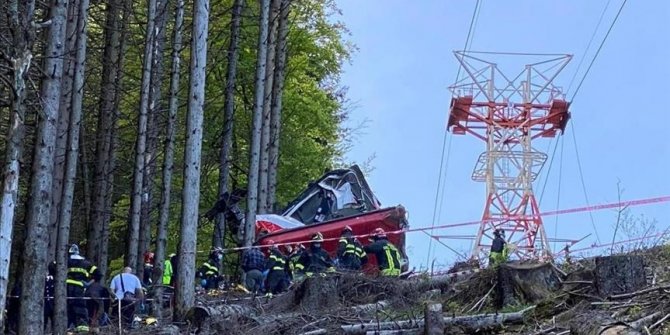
434 320
525 283
619 274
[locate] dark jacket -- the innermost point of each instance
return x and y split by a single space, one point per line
276 261
388 256
350 253
315 261
498 244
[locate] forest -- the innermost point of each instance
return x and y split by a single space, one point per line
123 121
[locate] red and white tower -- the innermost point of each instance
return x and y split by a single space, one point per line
510 112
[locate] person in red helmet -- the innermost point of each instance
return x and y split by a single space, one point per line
148 268
350 253
388 256
276 265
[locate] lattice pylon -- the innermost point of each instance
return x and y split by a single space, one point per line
508 117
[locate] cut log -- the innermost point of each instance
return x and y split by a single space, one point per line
199 314
619 274
395 332
434 322
599 323
470 322
520 284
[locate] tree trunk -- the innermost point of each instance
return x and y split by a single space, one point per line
434 321
228 120
152 132
38 217
72 154
168 160
254 152
140 144
277 92
599 323
525 283
267 101
619 274
20 15
108 92
63 119
192 154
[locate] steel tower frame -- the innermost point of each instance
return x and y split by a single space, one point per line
509 114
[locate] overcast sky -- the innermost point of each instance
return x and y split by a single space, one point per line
398 81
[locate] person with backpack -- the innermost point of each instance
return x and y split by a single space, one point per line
127 288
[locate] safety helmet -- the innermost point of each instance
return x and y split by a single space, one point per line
318 237
148 257
74 249
379 233
347 229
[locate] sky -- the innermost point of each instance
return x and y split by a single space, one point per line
398 80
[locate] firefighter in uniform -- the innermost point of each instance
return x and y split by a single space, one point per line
296 270
276 265
209 271
79 274
316 260
350 253
498 253
388 256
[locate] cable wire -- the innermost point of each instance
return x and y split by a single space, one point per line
588 46
598 51
581 177
558 195
440 187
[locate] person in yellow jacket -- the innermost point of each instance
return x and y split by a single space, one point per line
499 250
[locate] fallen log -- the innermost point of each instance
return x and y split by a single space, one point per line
599 323
414 331
434 322
645 321
199 314
469 322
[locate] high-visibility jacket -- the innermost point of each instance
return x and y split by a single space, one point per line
167 273
350 254
208 270
315 261
276 261
79 270
388 257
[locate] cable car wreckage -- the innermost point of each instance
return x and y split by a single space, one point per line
338 199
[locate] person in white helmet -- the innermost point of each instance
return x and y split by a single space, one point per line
79 276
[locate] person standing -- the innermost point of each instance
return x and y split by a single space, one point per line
253 264
148 268
128 290
350 253
79 272
276 266
209 271
316 260
387 255
498 252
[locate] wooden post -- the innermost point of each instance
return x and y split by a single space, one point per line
434 324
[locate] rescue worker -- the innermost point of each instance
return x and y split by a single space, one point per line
49 289
350 253
209 271
79 273
276 265
148 268
498 253
316 260
168 271
388 256
294 266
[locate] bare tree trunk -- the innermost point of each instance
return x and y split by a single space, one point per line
63 119
152 132
228 119
277 91
20 15
108 94
168 160
267 101
140 145
72 154
192 152
85 175
38 212
252 186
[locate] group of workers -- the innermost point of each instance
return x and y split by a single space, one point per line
274 273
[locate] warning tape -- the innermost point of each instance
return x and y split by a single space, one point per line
593 208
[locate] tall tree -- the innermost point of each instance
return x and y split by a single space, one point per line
152 132
72 155
38 217
267 101
192 155
140 144
20 15
228 118
168 160
106 117
277 92
257 123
